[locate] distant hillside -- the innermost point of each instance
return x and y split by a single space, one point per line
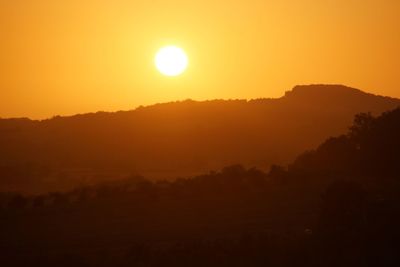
180 138
336 205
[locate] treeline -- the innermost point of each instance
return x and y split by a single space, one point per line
338 205
184 138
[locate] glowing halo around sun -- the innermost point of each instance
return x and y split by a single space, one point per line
171 60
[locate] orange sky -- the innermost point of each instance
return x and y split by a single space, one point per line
76 56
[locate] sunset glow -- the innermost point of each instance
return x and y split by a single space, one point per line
68 57
199 133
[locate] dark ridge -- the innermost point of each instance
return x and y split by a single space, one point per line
178 138
329 91
337 205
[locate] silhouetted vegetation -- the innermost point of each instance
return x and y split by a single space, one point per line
184 138
338 205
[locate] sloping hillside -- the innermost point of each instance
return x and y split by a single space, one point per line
179 138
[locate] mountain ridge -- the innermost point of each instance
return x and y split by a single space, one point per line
182 138
298 91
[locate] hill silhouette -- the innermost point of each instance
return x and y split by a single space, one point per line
176 139
336 205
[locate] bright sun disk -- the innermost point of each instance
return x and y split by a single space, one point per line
171 60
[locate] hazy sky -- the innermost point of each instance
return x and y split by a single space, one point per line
76 56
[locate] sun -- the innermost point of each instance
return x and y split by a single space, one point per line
171 60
